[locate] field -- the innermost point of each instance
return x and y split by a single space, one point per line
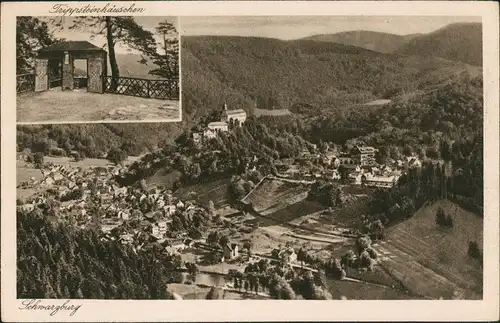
215 191
191 292
272 113
431 261
363 291
274 195
163 178
57 105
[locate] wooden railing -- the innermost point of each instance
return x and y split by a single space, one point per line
155 89
25 82
80 82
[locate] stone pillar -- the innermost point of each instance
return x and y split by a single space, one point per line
41 77
68 82
96 66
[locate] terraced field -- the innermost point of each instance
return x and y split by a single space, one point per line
431 261
274 195
215 191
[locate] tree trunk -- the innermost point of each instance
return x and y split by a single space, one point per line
115 73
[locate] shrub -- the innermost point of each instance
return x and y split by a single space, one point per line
474 251
443 220
373 254
448 221
362 243
440 218
38 159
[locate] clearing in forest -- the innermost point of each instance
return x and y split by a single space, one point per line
432 261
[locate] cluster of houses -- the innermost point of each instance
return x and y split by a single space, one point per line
213 128
358 166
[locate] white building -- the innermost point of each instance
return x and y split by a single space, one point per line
169 209
218 125
379 181
238 114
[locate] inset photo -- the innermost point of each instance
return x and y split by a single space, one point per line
97 69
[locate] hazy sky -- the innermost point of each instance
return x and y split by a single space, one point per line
148 23
293 27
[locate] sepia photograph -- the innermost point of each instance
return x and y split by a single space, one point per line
161 158
323 158
97 69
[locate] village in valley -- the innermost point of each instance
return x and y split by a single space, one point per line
138 215
366 183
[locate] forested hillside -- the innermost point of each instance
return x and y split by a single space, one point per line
285 74
96 140
311 79
56 260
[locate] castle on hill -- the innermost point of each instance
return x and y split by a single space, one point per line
226 116
214 127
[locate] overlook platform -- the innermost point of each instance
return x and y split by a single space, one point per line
79 105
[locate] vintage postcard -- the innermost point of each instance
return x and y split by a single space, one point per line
72 69
330 161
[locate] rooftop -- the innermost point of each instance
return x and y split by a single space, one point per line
78 45
385 179
237 111
217 124
366 149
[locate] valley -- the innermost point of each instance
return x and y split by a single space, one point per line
334 167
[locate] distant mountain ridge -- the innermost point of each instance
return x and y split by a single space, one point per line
129 65
372 40
457 42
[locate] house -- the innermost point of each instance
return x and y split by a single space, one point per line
162 227
378 181
180 204
288 255
197 137
120 191
413 162
177 245
189 243
160 203
124 215
351 168
169 209
238 114
126 238
230 251
331 159
27 207
335 175
49 181
347 160
218 126
210 134
356 178
364 155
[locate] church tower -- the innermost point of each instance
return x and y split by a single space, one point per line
224 116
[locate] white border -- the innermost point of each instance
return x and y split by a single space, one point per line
179 102
141 311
